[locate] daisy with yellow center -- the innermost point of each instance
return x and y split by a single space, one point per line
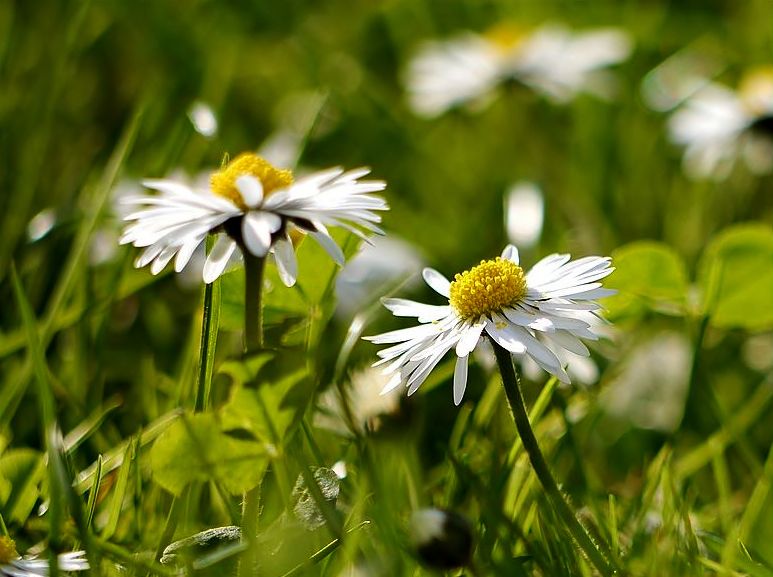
526 313
718 127
552 60
14 565
258 207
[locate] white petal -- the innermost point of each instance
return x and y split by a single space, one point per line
511 253
469 338
437 281
407 308
460 379
393 383
257 227
330 246
185 253
251 190
286 263
218 258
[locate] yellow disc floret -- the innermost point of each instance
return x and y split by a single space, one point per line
487 288
223 182
7 550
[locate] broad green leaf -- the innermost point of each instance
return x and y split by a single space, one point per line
195 448
647 274
278 393
24 469
736 277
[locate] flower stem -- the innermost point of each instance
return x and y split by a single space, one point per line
253 307
253 341
556 498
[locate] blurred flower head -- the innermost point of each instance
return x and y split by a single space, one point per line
359 405
14 565
552 60
517 310
718 126
524 211
257 207
651 388
378 266
203 119
442 539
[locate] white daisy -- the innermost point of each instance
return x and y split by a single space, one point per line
14 565
552 60
718 126
560 64
516 310
258 207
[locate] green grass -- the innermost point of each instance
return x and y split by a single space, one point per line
164 421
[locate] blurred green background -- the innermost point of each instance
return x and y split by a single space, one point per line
95 96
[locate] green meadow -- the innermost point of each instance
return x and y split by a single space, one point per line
133 418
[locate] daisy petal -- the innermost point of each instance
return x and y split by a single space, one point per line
257 227
511 253
470 338
218 258
251 190
286 263
460 379
437 281
330 246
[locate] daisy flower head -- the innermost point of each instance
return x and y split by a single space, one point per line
529 313
551 60
14 565
258 208
718 126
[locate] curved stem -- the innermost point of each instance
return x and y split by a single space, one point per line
556 498
253 341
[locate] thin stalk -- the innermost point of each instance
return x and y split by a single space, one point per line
253 306
556 498
253 341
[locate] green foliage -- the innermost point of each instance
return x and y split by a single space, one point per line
154 394
196 449
647 274
737 278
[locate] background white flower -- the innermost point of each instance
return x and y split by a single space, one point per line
14 565
552 60
258 207
518 311
718 126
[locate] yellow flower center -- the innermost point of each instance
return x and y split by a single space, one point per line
487 288
223 182
7 550
505 36
756 90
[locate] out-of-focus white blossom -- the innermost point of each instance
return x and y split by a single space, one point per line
524 212
552 60
718 126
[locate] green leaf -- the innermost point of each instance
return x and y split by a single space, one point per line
736 277
23 469
276 400
647 274
195 448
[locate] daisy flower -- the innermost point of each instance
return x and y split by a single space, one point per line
258 208
517 310
718 126
14 565
552 60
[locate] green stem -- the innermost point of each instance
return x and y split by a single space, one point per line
253 341
253 306
556 498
